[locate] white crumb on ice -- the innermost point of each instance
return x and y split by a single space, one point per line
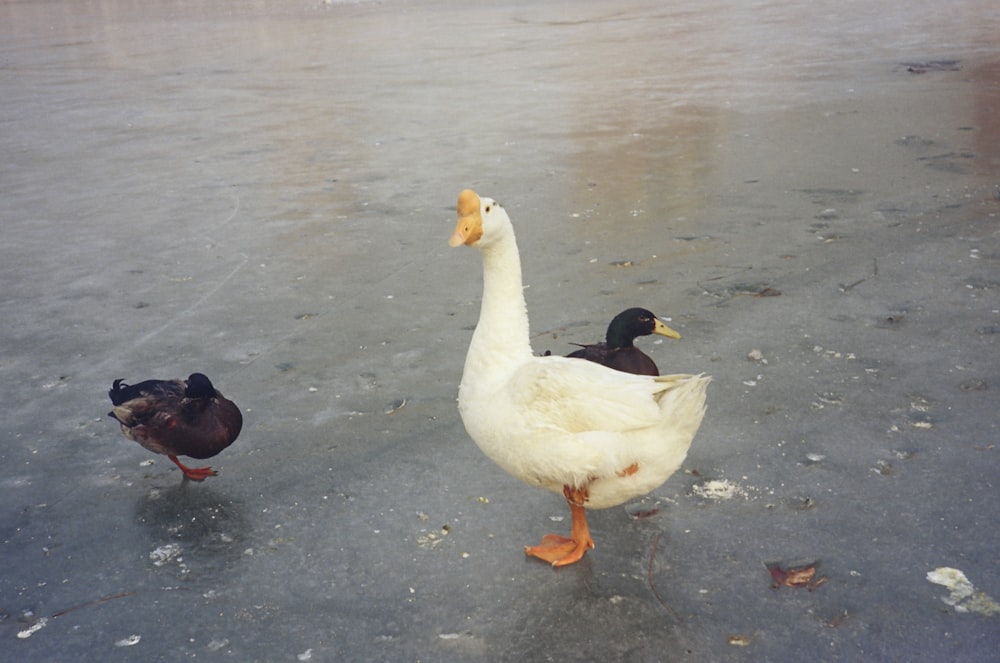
164 554
720 489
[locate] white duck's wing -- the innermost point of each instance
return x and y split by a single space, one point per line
580 396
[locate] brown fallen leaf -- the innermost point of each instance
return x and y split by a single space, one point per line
800 576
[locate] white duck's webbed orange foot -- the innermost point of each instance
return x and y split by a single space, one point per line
194 473
560 551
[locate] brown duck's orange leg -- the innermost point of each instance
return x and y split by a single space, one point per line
194 473
558 550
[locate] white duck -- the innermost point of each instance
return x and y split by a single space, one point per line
599 436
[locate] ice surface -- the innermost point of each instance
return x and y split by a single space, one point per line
264 192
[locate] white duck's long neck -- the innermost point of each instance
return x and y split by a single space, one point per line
501 338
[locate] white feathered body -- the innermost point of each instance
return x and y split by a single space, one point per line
555 421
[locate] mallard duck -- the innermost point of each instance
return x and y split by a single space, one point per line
598 436
177 418
618 352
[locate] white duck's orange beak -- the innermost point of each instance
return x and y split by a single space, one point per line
469 228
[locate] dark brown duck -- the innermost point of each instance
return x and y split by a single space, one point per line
618 351
177 418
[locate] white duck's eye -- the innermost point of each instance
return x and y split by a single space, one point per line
488 208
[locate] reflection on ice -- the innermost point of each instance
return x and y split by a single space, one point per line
196 527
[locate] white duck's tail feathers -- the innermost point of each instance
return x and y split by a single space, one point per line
683 398
682 382
683 377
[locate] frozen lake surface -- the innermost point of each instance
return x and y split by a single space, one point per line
263 192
